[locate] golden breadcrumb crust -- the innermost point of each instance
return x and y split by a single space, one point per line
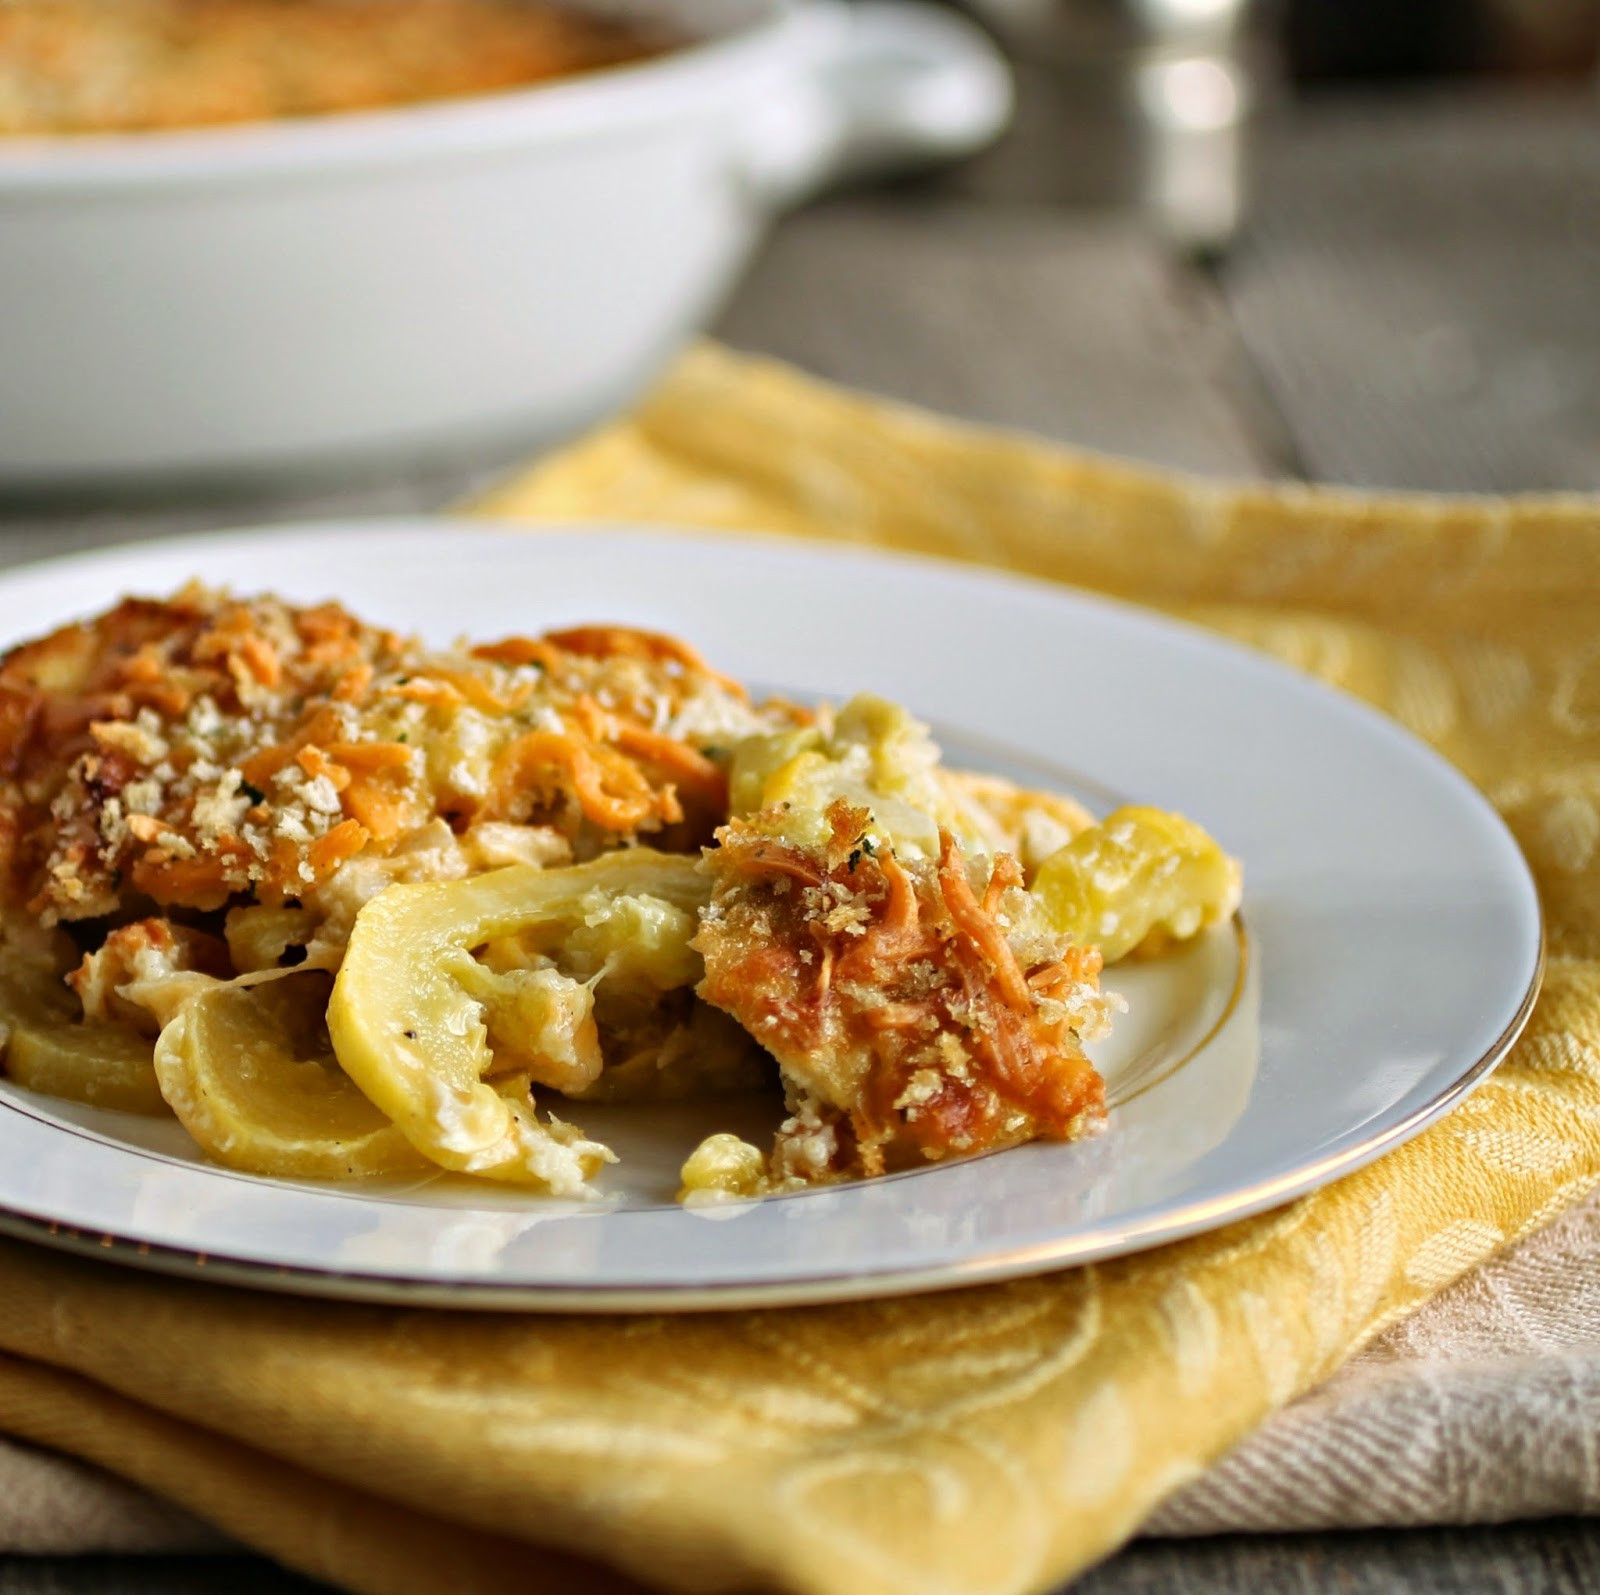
200 749
906 1026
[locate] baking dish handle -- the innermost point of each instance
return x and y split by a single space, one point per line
881 86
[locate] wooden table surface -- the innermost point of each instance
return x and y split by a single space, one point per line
1413 305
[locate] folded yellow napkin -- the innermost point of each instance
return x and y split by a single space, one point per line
976 1443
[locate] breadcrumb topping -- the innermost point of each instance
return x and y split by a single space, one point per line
916 1013
205 750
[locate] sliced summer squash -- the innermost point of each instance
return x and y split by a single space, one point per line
1140 879
50 1049
408 1015
250 1072
47 1046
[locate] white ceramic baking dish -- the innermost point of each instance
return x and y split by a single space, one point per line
443 279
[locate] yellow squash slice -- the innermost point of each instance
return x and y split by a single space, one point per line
251 1074
44 1043
1140 879
49 1048
408 1010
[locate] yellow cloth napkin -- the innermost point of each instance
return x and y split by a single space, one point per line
979 1443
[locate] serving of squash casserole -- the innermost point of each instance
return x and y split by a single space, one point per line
350 906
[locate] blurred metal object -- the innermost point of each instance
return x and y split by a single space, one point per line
1143 101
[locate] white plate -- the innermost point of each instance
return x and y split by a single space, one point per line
1391 949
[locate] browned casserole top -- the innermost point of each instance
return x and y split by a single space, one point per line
85 66
193 749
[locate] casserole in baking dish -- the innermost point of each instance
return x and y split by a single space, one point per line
465 274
